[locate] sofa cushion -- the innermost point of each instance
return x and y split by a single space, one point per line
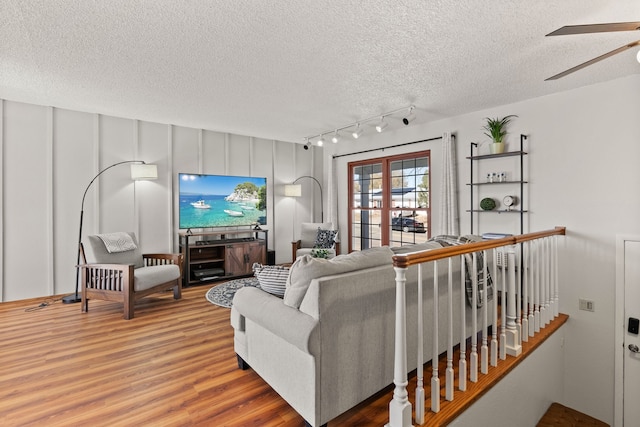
98 253
272 278
148 277
325 239
306 268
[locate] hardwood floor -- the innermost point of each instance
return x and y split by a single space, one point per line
173 364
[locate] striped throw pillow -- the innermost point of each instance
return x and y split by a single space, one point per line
272 278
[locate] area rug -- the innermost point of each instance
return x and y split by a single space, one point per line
223 293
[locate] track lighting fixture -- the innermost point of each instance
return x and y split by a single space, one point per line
381 125
357 132
335 138
409 118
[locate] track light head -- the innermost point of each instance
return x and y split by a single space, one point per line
357 132
321 141
335 138
409 118
306 146
381 125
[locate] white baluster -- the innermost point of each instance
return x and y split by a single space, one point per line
400 407
462 363
530 264
503 312
473 357
449 372
538 291
484 352
513 341
420 399
550 308
544 299
435 381
494 327
525 291
519 292
555 277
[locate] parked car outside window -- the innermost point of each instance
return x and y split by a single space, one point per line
407 225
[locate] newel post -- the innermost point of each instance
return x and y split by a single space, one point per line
400 407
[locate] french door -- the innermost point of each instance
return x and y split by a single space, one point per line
389 201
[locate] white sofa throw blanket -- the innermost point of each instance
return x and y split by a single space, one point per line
117 242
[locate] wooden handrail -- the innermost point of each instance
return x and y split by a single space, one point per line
406 260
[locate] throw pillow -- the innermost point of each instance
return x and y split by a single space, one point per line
307 268
325 238
272 278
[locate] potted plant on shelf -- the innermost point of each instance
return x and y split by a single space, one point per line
496 129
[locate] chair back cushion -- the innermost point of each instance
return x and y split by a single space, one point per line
97 253
309 231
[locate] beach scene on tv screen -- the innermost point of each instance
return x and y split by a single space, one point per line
221 200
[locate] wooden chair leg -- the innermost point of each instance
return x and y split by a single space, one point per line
128 310
177 291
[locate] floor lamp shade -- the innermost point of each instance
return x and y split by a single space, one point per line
140 172
293 190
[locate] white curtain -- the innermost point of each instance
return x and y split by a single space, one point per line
332 194
449 220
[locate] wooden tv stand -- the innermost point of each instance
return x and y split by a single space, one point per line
215 255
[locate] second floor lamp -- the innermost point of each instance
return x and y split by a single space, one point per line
295 190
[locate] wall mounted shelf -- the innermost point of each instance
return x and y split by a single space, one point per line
475 186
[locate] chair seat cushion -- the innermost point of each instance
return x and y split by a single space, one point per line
148 277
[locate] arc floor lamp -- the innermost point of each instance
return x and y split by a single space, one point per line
295 190
139 171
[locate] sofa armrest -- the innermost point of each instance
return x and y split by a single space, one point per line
269 311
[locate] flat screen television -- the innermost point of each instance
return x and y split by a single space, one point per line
207 201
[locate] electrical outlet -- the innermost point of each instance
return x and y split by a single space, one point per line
587 305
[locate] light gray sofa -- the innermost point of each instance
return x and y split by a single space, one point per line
337 348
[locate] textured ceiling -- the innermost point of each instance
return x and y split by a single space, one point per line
288 69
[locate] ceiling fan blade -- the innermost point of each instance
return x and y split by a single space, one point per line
594 60
596 28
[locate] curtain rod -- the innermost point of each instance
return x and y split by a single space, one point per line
391 146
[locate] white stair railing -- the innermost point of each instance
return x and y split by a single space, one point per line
526 279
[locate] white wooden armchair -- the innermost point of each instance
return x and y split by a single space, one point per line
127 276
308 235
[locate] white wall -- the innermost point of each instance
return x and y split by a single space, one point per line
49 155
583 171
